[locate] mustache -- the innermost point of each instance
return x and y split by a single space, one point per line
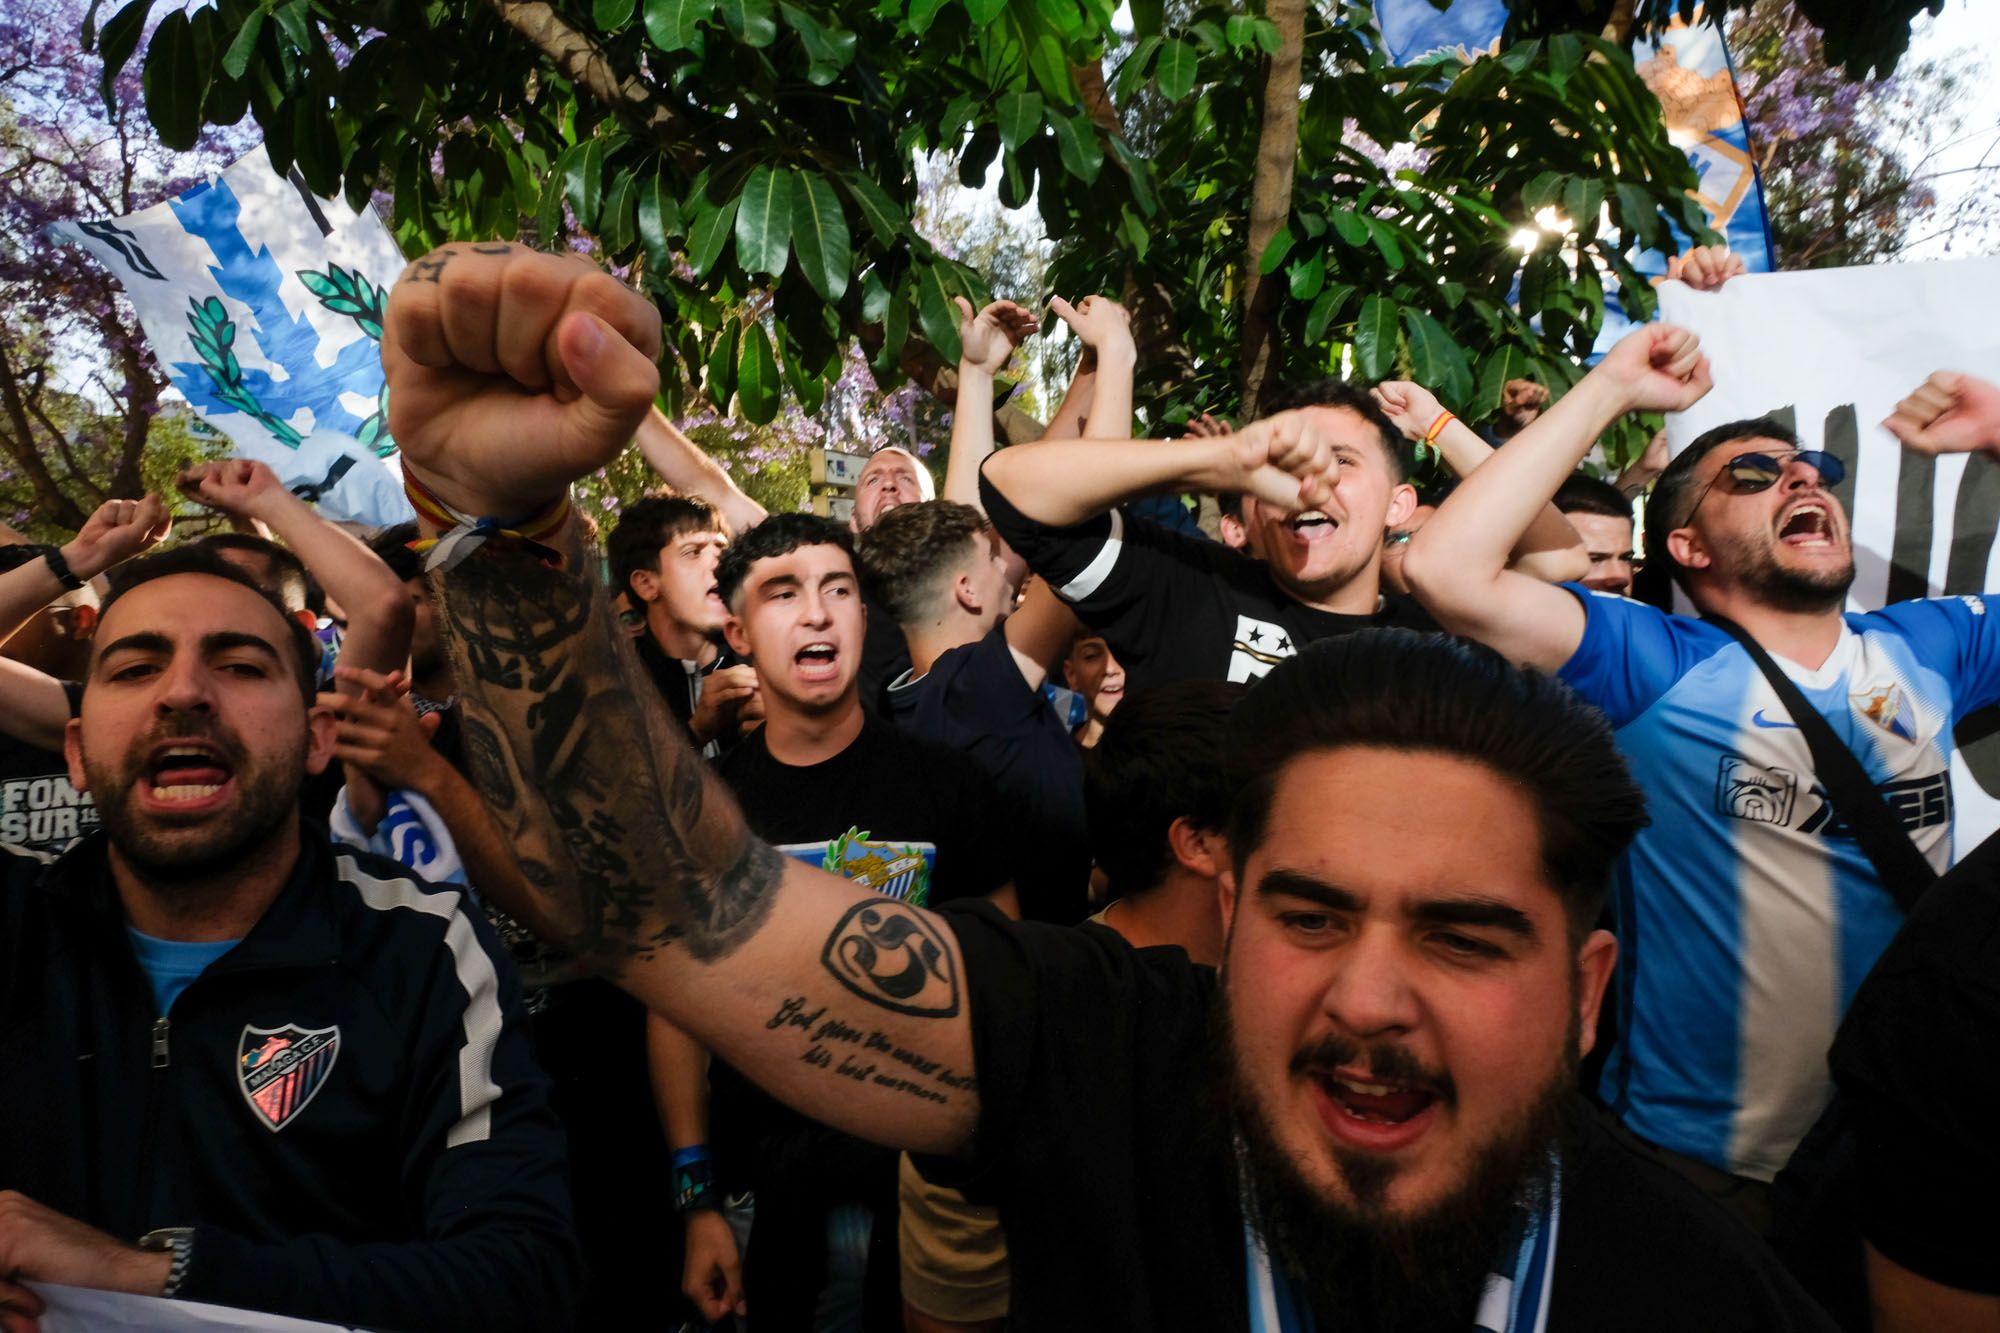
182 725
1387 1061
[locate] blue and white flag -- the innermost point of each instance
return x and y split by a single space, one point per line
264 304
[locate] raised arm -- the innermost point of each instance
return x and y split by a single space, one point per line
34 709
1949 413
379 617
1550 550
988 339
680 463
1457 563
1105 329
511 373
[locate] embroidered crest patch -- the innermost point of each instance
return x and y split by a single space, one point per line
281 1069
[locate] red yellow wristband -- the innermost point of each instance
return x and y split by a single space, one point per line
462 534
1437 427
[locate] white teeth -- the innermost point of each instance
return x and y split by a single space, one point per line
190 791
187 751
1366 1089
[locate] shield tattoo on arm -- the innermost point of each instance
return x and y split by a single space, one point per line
894 956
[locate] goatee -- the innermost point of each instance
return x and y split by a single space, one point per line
1363 1268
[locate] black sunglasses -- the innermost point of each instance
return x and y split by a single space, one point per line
1749 473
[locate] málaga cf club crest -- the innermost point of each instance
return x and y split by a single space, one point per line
280 1069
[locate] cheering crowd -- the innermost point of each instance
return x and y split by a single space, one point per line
1012 907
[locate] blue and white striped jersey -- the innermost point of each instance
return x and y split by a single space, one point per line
1747 915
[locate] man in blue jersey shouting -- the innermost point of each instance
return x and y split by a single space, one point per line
1748 912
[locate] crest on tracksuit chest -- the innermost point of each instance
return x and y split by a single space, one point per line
280 1070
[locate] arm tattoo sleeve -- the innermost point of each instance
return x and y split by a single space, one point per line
630 844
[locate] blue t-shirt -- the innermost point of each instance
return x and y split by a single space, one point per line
172 965
1746 913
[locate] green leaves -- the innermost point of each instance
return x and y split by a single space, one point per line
983 12
819 235
1019 116
1076 142
829 49
764 220
1175 68
174 83
750 22
671 24
757 377
1326 308
583 182
709 232
1375 338
1436 361
608 15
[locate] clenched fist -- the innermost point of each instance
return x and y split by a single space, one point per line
511 373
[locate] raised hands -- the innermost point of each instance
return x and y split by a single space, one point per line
1657 368
378 731
239 487
990 336
1098 321
1705 268
1208 427
1412 407
1950 413
1284 462
117 531
512 373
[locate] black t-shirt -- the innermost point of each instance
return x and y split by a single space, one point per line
681 687
906 816
1116 1186
885 655
974 698
1175 607
1917 1061
40 811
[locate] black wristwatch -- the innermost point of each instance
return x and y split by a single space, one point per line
59 566
180 1242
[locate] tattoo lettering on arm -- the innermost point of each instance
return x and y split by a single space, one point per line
891 955
631 847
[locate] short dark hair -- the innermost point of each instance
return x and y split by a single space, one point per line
392 547
1668 506
1159 759
1399 690
1585 494
1230 504
645 527
908 548
201 558
290 581
1339 393
780 534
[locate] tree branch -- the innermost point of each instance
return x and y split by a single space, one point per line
1271 197
585 64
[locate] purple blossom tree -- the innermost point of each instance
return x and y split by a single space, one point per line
80 392
1850 168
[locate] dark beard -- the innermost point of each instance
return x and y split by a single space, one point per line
1363 1270
1790 590
269 799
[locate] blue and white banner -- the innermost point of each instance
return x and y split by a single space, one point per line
1687 67
264 304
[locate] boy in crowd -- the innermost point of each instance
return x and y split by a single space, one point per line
664 552
907 817
1602 516
975 681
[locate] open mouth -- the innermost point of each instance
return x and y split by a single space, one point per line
818 661
1312 526
185 774
1807 525
1364 1110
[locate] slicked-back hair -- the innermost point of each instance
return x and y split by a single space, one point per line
201 558
780 534
644 528
906 556
1394 689
1159 759
290 582
1339 393
1674 493
1585 494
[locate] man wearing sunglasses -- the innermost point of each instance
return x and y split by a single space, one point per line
1747 912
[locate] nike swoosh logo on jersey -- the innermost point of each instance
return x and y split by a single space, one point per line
1762 721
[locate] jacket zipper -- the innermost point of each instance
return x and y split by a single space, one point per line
160 1052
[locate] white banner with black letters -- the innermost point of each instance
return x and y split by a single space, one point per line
1831 351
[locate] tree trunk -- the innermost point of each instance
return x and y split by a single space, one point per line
1271 199
19 442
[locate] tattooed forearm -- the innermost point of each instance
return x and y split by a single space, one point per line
635 846
867 1055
